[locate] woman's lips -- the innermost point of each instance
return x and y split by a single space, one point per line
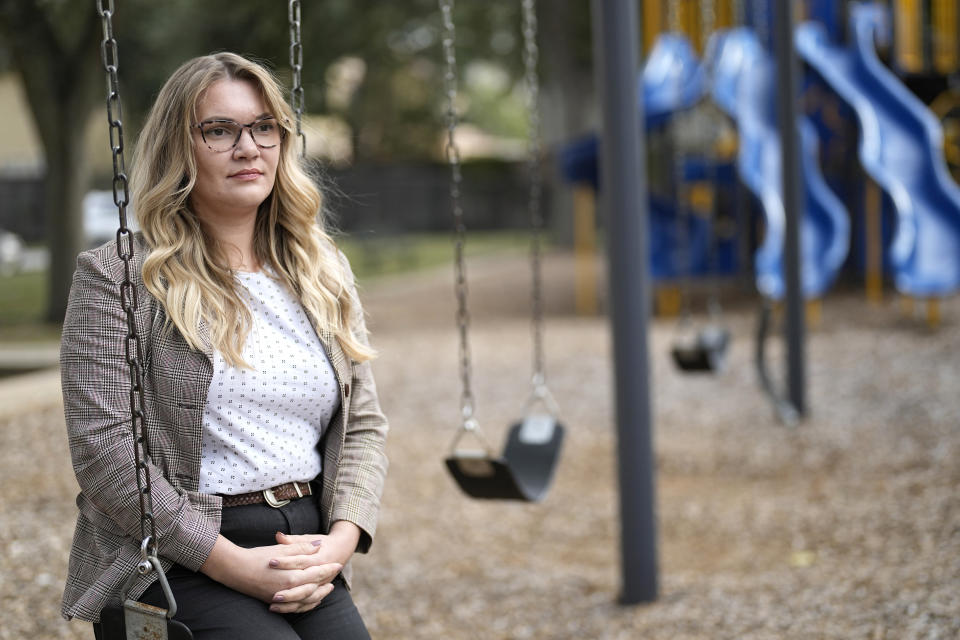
251 174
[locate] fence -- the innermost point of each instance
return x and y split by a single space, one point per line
365 200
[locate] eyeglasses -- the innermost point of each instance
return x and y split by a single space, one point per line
223 135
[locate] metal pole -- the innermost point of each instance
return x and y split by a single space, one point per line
624 201
789 74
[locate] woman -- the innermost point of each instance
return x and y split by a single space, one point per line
257 378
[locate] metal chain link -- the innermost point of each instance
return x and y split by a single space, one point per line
460 229
531 55
133 347
296 63
710 134
739 13
708 20
673 16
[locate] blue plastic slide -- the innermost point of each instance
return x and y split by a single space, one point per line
901 148
671 80
744 86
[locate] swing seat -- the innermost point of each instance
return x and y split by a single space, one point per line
136 621
523 472
706 353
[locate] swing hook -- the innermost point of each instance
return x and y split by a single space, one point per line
471 426
149 562
540 394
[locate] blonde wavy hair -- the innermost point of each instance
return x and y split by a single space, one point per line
186 270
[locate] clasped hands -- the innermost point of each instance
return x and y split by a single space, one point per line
294 575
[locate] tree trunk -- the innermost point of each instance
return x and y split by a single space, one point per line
65 183
55 52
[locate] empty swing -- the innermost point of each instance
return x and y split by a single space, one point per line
130 619
703 350
525 468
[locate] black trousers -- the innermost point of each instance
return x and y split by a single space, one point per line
215 612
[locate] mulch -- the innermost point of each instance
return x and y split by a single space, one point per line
847 526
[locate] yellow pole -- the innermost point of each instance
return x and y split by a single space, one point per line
585 249
652 22
908 305
669 301
724 13
814 313
874 241
908 23
943 28
933 313
689 14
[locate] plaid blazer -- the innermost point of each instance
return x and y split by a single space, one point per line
96 384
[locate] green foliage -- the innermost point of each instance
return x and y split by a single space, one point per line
396 114
23 295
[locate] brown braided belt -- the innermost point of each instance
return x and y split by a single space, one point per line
275 497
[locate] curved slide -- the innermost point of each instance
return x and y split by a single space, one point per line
671 80
744 86
901 148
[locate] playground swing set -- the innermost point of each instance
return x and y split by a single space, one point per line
525 468
696 348
130 619
522 472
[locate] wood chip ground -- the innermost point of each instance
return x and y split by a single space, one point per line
846 527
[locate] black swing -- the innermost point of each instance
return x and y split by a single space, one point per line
130 619
703 350
525 469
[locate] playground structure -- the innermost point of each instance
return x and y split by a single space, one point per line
897 216
851 568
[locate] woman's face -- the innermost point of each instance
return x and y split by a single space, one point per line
232 184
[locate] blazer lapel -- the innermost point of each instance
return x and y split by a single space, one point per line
339 360
204 330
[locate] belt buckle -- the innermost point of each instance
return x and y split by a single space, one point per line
272 499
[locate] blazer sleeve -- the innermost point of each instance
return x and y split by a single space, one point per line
96 384
363 466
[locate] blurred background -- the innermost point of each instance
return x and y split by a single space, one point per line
373 91
846 527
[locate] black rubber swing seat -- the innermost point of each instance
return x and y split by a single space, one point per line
707 352
524 471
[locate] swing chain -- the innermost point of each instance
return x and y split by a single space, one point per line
296 63
133 347
708 23
452 152
760 24
673 17
708 20
531 56
739 13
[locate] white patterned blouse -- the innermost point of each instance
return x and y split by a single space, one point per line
261 426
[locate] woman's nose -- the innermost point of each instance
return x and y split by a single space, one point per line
247 146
